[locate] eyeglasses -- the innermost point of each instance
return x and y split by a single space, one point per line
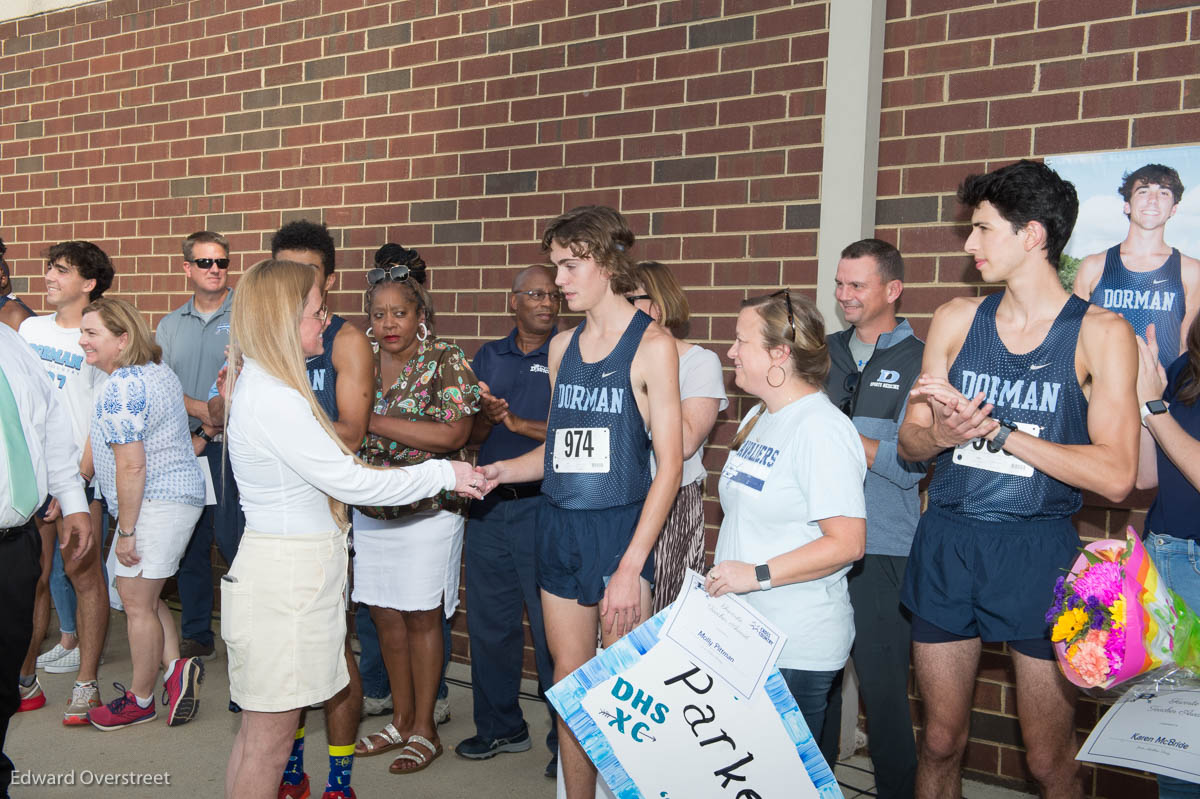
787 295
209 263
537 295
633 298
395 273
322 314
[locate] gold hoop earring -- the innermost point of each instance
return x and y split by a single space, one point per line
781 380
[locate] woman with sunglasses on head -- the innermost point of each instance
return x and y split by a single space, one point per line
283 615
680 546
406 563
792 494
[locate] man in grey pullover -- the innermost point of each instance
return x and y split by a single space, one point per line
874 363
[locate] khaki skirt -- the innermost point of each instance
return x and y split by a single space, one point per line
283 620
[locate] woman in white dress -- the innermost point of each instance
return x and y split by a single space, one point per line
283 615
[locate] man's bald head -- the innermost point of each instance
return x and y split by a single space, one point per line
530 273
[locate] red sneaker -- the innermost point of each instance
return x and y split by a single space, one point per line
180 689
123 711
32 697
298 791
346 793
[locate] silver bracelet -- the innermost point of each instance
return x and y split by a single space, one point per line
121 533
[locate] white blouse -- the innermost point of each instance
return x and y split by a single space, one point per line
286 464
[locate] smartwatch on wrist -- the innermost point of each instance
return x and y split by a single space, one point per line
199 433
1152 408
762 573
997 443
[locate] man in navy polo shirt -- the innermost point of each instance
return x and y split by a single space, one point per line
500 535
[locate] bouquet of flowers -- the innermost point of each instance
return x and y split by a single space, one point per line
1113 618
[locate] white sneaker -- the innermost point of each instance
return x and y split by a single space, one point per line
67 663
373 706
46 658
441 711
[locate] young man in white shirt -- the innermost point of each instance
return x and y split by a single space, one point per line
77 272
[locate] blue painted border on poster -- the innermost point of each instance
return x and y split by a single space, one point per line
567 698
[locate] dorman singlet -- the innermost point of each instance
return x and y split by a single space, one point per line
1040 392
322 375
597 449
1143 297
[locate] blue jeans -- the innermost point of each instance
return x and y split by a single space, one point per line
61 590
811 690
1178 563
224 523
370 662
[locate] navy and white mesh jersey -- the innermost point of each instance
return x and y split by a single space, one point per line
322 375
600 395
1039 387
1143 297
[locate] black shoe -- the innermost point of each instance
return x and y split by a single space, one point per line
552 768
234 707
191 648
479 748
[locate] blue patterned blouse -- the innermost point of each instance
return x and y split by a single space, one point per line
145 403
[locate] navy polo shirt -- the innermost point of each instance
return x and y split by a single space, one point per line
1177 504
521 378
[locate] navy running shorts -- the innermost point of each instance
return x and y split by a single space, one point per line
578 550
989 580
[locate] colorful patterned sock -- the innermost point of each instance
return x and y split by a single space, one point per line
293 773
341 761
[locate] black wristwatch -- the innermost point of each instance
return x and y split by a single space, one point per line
762 573
1152 408
997 443
199 433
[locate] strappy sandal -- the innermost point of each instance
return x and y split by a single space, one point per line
385 740
411 753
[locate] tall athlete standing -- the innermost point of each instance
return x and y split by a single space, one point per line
1143 278
615 377
1003 406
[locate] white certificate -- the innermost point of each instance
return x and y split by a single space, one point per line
724 634
1157 732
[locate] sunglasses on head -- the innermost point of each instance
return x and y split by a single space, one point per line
397 273
787 296
209 263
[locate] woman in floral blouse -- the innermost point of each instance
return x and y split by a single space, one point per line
406 562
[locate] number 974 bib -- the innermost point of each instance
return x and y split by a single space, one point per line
581 449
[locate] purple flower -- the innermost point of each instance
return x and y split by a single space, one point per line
1099 580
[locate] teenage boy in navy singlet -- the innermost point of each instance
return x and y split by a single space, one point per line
1143 278
615 377
1002 404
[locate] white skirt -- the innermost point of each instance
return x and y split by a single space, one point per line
410 563
283 620
163 531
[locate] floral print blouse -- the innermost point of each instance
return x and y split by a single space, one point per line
437 384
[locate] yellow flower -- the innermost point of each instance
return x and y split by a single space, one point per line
1118 612
1069 624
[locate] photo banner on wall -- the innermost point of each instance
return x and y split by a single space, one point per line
660 726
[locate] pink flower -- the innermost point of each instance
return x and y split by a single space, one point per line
1101 580
1114 647
1090 663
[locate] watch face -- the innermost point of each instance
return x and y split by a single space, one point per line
762 572
1156 406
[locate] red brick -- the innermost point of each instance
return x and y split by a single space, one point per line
1003 144
943 118
1125 101
1086 71
1081 137
1168 62
1164 129
914 91
1053 13
1037 109
949 57
1039 46
908 32
1009 18
992 82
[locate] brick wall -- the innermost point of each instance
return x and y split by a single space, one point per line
459 127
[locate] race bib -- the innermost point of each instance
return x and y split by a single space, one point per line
975 454
581 449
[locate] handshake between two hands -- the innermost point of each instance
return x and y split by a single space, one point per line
474 481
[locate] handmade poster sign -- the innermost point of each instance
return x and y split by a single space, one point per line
659 725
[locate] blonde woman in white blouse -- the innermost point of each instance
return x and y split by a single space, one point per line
282 617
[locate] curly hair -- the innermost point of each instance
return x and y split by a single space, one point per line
602 233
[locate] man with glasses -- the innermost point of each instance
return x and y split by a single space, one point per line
873 364
12 310
193 338
500 536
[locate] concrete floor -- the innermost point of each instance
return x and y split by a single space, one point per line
191 758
